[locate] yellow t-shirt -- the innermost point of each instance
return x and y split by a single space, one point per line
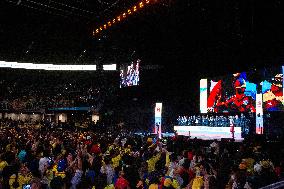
8 147
2 165
154 186
152 162
115 161
175 184
111 186
21 179
167 159
197 182
57 173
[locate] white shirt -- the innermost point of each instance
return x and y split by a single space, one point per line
108 170
172 167
42 162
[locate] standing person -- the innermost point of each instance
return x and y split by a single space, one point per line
36 184
76 179
43 162
20 178
232 126
121 182
57 183
108 170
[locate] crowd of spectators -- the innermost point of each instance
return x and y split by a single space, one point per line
61 158
214 120
19 91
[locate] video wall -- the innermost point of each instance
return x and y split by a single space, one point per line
237 92
272 90
129 74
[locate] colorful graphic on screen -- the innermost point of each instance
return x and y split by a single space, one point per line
203 96
272 90
234 93
129 74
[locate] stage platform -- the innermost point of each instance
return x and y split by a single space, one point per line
209 133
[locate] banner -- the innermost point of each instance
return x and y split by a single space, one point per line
259 114
158 110
158 119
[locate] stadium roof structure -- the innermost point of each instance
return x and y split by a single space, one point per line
209 36
190 39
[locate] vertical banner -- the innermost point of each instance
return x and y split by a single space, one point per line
158 119
203 96
283 82
259 114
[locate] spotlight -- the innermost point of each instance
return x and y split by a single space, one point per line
134 8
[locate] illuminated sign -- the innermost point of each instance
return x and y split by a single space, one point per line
50 67
259 114
70 109
158 110
158 119
109 67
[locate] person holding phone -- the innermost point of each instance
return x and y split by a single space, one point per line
27 186
17 180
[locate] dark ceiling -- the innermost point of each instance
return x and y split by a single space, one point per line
208 36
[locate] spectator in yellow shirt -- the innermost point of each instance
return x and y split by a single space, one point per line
17 180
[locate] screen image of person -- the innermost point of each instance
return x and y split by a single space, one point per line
129 76
272 91
235 95
240 101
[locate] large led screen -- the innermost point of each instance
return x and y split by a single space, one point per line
272 89
129 74
233 93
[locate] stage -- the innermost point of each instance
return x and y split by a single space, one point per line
209 133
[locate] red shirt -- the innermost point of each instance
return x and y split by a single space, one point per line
95 149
